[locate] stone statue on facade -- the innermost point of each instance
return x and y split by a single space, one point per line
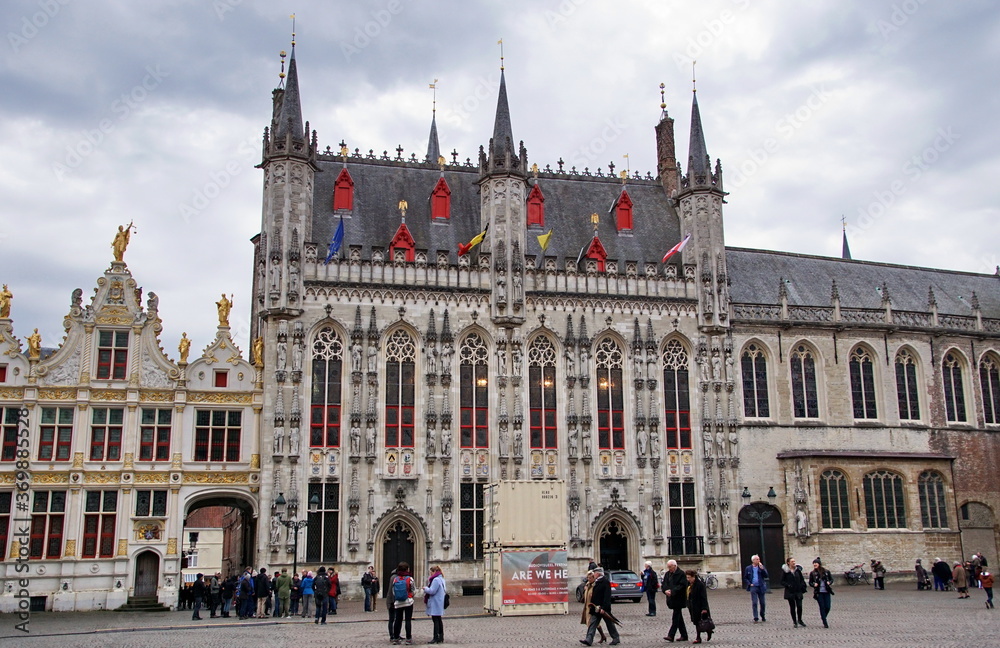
282 355
654 444
355 439
275 529
275 278
294 441
372 359
446 441
370 441
258 351
570 361
716 366
356 357
297 357
641 439
352 529
278 441
446 524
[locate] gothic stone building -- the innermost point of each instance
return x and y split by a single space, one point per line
725 402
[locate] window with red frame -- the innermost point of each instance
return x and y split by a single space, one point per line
327 368
217 435
542 394
343 192
55 434
106 434
441 201
5 506
222 378
3 373
8 436
536 207
154 434
474 396
610 396
99 524
623 212
401 247
597 253
112 355
48 510
676 396
400 390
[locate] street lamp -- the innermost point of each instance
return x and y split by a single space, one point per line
759 512
279 508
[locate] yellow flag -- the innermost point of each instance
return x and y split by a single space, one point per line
543 239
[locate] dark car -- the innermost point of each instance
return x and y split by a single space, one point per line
625 584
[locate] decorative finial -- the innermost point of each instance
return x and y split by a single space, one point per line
843 221
442 162
434 96
281 75
344 152
500 43
663 102
595 219
534 170
402 209
293 31
694 78
627 166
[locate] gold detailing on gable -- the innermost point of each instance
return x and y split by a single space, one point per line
217 478
12 393
122 547
101 478
171 546
152 478
15 548
151 396
50 478
108 395
70 550
216 397
56 393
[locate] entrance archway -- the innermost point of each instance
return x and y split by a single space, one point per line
397 547
147 574
614 547
977 522
762 532
220 527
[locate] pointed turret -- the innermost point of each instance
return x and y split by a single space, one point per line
845 250
699 164
433 148
665 151
501 155
288 113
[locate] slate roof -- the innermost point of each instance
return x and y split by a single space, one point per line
755 275
379 185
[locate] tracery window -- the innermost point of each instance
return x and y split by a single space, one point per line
989 382
754 369
834 500
327 370
863 384
610 396
400 385
933 511
676 396
474 395
954 390
542 393
805 395
907 394
885 502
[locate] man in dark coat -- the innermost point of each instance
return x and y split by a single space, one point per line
600 600
198 593
675 587
942 574
650 584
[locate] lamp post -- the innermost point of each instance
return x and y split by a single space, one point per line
759 512
279 509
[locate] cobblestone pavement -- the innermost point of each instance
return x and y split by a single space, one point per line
899 616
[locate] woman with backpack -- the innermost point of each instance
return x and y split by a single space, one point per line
401 591
308 594
434 599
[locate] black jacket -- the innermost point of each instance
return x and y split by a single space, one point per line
941 570
793 582
815 578
676 583
198 589
698 600
601 595
262 586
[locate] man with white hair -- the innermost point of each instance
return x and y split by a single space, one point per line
675 587
755 580
600 601
650 583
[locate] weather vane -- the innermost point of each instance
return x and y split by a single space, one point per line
434 96
500 43
694 78
293 30
663 102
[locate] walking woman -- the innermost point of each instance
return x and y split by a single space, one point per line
588 592
401 589
434 600
821 580
795 586
697 601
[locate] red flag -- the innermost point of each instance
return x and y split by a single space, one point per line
464 248
677 248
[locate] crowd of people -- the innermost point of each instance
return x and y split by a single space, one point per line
974 572
259 595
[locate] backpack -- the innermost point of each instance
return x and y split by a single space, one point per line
321 585
401 588
655 582
246 586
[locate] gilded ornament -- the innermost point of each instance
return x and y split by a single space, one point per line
101 478
184 346
224 305
156 396
56 393
258 351
108 395
210 397
129 458
12 393
7 478
5 297
152 478
255 462
176 461
70 550
78 460
217 478
50 478
35 345
121 240
122 547
171 546
15 549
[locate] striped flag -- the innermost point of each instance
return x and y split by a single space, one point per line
677 248
465 248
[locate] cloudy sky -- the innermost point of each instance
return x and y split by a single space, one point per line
884 113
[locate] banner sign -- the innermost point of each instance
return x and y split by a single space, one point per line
534 576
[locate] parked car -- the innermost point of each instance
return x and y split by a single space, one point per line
625 584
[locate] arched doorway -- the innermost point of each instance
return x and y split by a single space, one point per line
977 522
397 546
219 534
762 532
614 552
147 574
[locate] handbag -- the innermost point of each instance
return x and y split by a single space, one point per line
706 624
447 600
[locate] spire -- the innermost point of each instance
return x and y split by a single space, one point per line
845 250
698 160
433 148
503 136
289 118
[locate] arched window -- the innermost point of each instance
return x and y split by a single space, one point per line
754 369
989 382
907 395
885 503
400 385
805 397
327 369
536 207
863 384
474 394
933 512
343 192
954 392
676 396
441 201
542 393
610 396
834 502
623 212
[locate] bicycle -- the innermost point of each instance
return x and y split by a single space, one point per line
711 581
856 574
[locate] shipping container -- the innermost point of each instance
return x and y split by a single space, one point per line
525 514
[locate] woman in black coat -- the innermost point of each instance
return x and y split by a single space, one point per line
697 602
795 586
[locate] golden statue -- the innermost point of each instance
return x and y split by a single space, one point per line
35 345
5 297
258 351
224 305
184 347
121 240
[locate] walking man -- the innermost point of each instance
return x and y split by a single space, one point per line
675 587
650 584
755 580
600 600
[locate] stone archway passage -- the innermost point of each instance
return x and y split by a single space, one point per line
614 547
397 547
147 574
977 522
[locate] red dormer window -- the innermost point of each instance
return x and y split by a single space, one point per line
402 243
623 212
536 207
343 192
440 201
597 252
